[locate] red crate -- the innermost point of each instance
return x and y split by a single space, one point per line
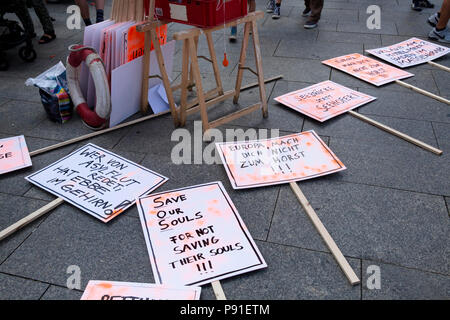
200 13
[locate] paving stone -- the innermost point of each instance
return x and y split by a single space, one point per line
294 274
442 131
361 27
398 283
59 293
13 209
397 165
71 237
315 50
406 105
371 223
343 37
15 288
19 117
442 79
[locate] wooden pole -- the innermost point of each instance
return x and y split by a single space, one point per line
218 290
440 66
426 93
399 134
30 218
343 263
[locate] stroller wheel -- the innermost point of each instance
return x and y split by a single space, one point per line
27 54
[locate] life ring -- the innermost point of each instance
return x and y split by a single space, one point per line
98 118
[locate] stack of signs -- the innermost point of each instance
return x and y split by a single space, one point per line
114 290
367 69
324 100
260 163
13 154
195 236
410 52
97 181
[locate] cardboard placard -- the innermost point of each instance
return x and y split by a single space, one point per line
367 69
195 236
324 100
13 154
295 157
97 181
115 290
410 52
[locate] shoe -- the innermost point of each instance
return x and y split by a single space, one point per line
425 4
270 6
415 5
310 25
233 35
441 36
276 12
433 20
306 12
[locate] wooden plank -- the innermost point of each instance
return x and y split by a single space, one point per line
145 73
218 290
165 77
343 263
234 115
241 63
212 54
426 93
440 66
259 69
139 10
210 103
394 132
184 82
30 218
131 10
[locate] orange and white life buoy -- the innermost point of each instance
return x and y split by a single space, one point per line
97 118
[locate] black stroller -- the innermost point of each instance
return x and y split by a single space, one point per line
13 35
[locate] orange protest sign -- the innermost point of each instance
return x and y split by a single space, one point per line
324 100
410 52
294 157
367 69
115 290
136 41
13 154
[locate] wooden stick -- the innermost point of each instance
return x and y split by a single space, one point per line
139 10
132 11
218 290
343 263
440 66
30 218
113 10
399 134
426 93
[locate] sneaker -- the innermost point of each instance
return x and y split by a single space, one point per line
425 4
306 12
233 35
441 36
433 20
276 12
270 6
415 5
310 24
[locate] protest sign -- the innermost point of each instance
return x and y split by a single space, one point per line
367 69
195 236
294 157
410 52
115 290
13 154
97 181
324 100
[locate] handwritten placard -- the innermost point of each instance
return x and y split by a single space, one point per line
410 52
13 154
97 181
195 236
295 157
367 69
324 100
129 291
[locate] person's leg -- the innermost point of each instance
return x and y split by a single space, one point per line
21 11
44 18
316 11
441 33
84 9
307 10
277 10
100 6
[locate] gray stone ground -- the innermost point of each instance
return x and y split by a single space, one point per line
390 208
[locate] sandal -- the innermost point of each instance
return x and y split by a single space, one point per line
46 38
